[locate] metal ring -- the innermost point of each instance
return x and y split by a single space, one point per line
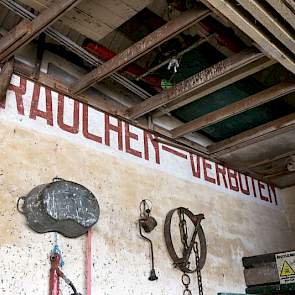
186 280
142 208
56 178
17 204
195 219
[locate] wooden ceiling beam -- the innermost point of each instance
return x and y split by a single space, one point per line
5 77
230 78
270 22
233 109
104 105
26 31
196 83
254 135
142 47
231 11
285 8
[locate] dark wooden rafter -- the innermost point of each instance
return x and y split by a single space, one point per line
273 159
106 106
5 77
24 32
142 47
223 81
233 109
254 135
198 83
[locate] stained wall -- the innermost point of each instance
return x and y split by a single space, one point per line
33 151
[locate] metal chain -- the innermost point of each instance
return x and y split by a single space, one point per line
186 281
199 276
183 230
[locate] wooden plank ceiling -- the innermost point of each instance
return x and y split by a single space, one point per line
95 18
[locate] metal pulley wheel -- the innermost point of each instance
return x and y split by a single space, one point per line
197 240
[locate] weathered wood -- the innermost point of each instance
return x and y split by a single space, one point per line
268 20
11 43
233 109
256 260
253 135
141 47
263 274
12 37
284 10
5 77
196 82
217 84
288 289
229 10
95 19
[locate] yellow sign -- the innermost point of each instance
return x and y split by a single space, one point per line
286 267
287 270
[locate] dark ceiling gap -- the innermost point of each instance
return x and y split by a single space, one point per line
249 119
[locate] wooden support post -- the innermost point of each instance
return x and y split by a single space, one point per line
26 31
196 83
142 47
5 77
233 109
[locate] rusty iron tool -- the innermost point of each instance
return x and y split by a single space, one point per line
148 223
182 262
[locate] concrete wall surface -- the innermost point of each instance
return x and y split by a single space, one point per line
288 196
235 226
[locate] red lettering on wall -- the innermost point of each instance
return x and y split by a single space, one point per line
207 165
232 175
244 190
85 130
148 137
253 186
128 136
35 112
220 170
196 170
272 190
19 92
110 127
60 116
261 186
174 152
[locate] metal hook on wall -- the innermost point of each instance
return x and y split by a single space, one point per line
147 223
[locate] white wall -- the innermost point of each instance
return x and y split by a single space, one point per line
239 221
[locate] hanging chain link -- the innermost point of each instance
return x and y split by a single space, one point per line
186 281
184 237
199 276
183 230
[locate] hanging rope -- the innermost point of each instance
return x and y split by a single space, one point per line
56 249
